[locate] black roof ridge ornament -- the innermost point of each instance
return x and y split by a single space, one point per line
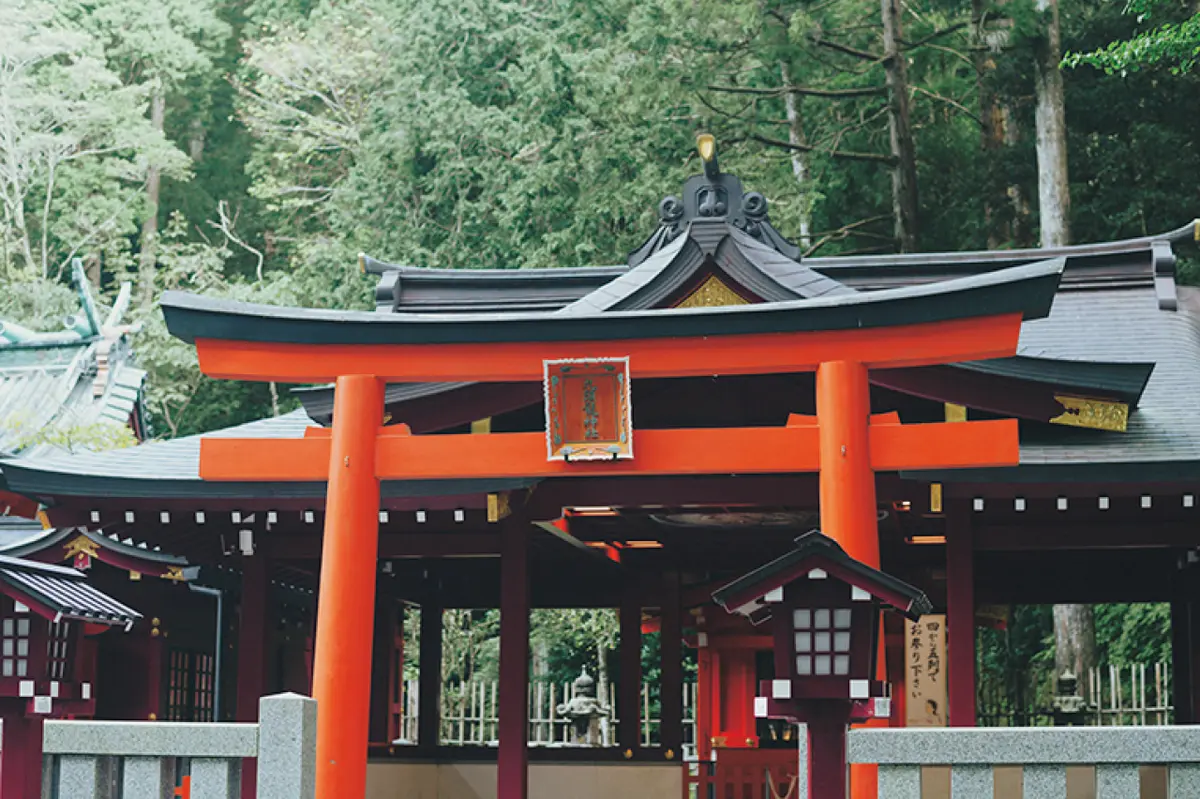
713 198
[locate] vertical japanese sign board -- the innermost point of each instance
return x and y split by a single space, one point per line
589 415
925 672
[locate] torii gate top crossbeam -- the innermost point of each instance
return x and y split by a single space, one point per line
969 318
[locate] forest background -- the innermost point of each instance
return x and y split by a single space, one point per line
251 148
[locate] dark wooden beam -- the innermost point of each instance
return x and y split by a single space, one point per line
1081 577
1040 537
1003 395
307 546
548 501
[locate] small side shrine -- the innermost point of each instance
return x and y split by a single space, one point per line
824 610
48 615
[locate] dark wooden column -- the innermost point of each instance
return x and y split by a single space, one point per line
629 694
671 648
960 613
21 756
385 662
429 701
252 637
1181 653
252 644
512 759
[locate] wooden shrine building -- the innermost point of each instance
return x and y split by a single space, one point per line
996 427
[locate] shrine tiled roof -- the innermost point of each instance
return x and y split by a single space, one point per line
1162 439
66 385
171 469
63 592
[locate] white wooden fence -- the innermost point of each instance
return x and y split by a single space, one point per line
470 712
1132 694
1138 693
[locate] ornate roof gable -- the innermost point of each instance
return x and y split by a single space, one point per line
715 246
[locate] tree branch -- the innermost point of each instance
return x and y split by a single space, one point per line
949 102
846 49
935 35
806 91
843 232
877 158
226 226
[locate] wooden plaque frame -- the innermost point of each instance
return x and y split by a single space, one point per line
589 412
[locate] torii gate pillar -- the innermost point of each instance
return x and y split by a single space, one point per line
346 609
849 512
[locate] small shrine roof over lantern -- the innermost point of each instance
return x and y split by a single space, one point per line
817 556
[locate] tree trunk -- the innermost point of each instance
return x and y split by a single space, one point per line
799 159
196 139
22 230
904 172
540 655
602 671
990 37
148 258
1074 643
1054 193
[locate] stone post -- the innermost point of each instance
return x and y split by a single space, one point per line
287 747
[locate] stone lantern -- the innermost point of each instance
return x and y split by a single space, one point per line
1070 708
584 710
823 608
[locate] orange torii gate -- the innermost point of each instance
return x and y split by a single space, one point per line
840 339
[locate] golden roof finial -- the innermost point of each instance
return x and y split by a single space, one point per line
706 145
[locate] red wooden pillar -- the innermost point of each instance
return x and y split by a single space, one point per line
827 723
670 734
848 510
849 513
960 614
21 754
252 657
512 759
704 702
429 702
629 691
346 605
384 664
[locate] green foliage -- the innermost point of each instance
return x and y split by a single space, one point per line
1173 44
74 143
69 437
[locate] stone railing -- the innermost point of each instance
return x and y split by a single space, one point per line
1043 752
82 756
